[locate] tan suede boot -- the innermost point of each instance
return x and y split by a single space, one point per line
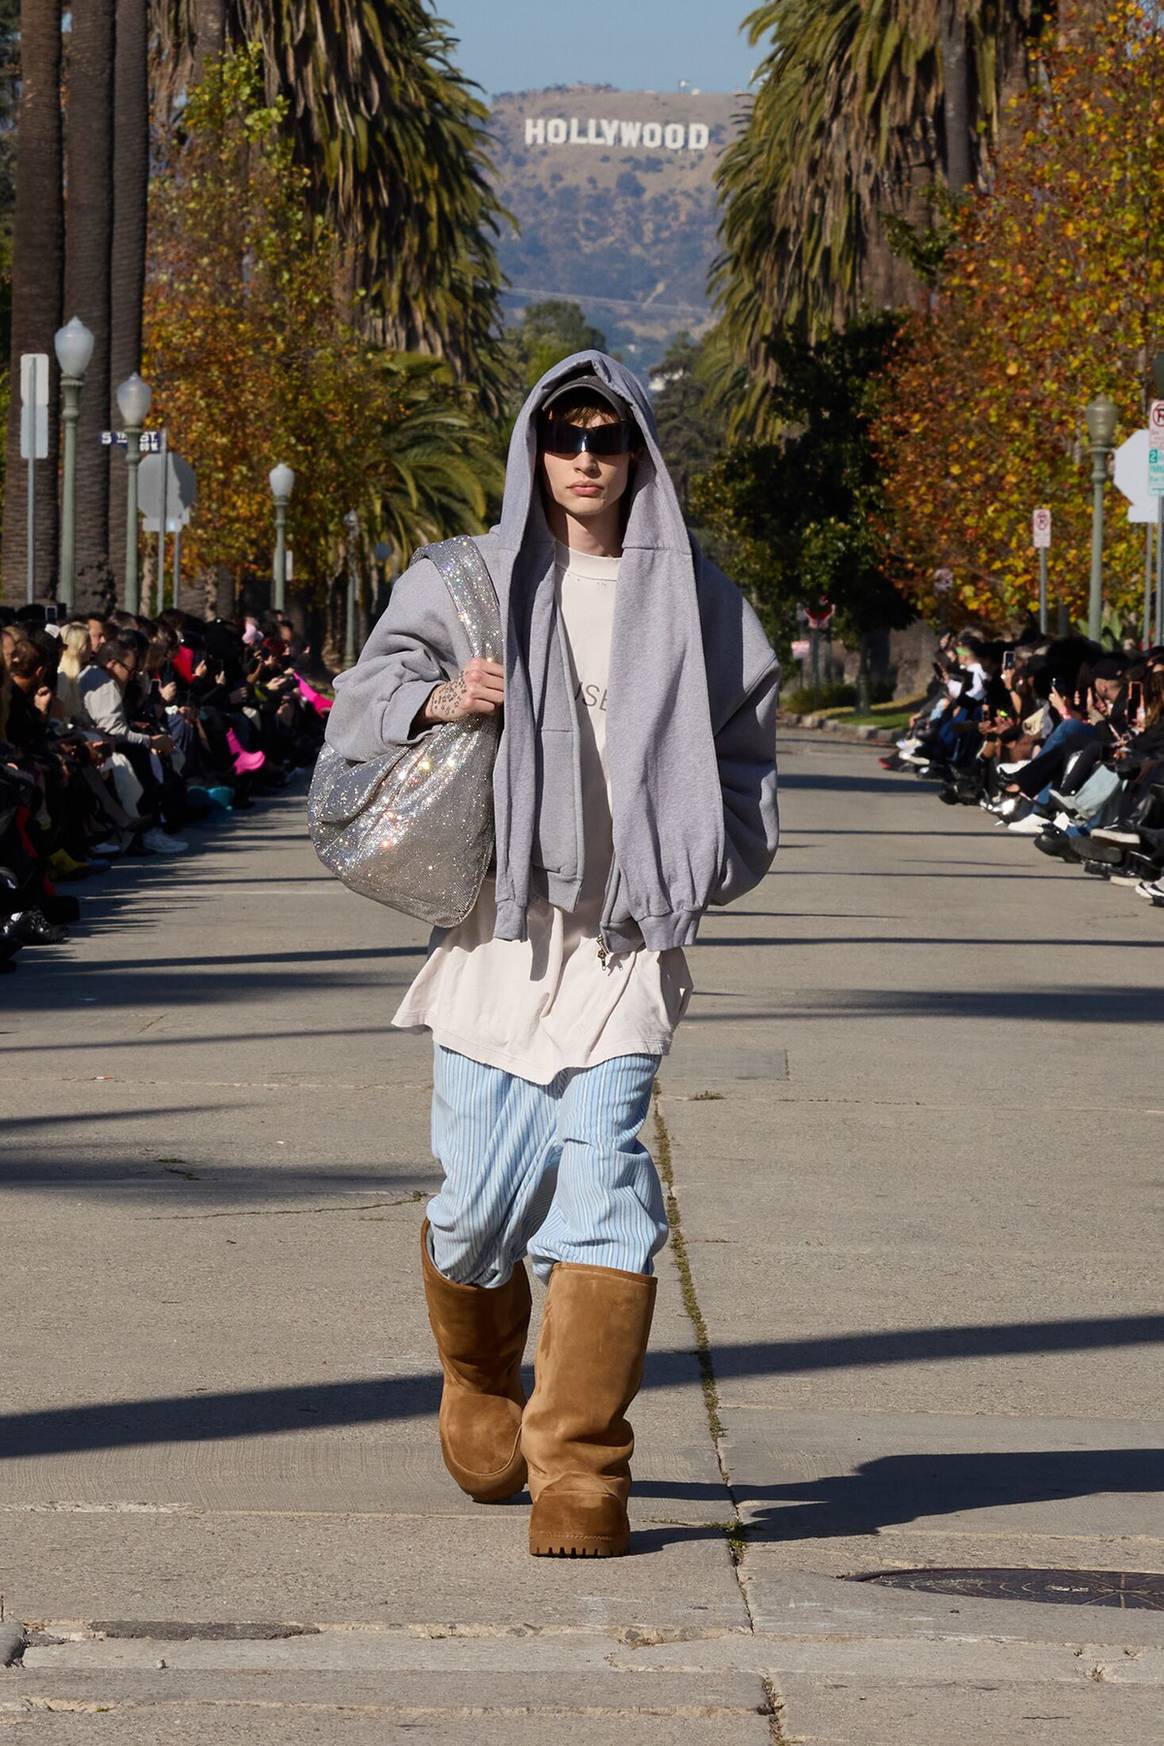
480 1335
575 1438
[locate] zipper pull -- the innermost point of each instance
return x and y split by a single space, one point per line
601 953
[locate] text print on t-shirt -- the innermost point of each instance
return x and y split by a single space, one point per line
594 696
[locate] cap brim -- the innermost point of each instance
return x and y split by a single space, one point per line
592 385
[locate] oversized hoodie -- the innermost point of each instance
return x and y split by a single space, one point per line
691 704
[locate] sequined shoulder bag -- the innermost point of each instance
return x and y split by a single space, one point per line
413 828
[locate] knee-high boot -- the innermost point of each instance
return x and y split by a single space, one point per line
480 1335
575 1436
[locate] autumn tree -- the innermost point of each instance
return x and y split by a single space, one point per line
252 361
1051 293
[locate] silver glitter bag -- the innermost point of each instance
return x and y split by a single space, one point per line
413 828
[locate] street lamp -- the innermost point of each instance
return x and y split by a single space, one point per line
73 345
133 403
282 485
1101 418
352 525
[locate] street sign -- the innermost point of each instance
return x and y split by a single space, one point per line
1130 472
150 442
1156 449
1041 529
181 486
34 406
174 523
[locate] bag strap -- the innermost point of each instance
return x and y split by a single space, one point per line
465 574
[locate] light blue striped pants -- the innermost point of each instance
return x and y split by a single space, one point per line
553 1171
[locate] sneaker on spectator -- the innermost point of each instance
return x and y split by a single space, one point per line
1030 826
1112 834
1058 844
31 927
1151 888
160 842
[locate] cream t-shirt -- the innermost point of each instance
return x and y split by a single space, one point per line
549 1002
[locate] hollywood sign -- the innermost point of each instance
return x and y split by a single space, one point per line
672 136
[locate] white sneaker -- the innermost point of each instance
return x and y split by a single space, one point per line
160 842
1150 888
1028 827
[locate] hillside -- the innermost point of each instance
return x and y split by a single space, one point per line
615 195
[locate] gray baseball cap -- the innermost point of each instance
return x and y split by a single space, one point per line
593 385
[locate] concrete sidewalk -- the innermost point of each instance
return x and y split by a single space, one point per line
911 1317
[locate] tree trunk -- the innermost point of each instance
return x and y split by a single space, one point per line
88 245
956 102
210 34
37 275
131 172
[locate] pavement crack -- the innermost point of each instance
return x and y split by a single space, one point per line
735 1530
284 1212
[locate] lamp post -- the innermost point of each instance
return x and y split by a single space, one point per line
282 485
1101 418
133 403
73 345
352 524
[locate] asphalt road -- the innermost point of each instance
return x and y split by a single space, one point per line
914 1124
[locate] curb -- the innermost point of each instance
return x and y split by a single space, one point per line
11 1644
865 734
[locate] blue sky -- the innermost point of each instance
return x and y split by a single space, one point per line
648 45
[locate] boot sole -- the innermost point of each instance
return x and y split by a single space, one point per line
559 1547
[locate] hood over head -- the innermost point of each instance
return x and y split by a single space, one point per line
654 519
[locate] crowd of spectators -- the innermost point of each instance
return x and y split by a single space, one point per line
1060 740
117 732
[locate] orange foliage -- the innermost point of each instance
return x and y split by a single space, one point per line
1052 292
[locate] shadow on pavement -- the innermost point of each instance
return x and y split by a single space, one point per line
375 1400
895 1489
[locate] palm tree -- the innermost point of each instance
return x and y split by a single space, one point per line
37 279
393 140
131 173
88 247
860 104
439 466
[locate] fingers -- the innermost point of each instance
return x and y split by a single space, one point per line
484 686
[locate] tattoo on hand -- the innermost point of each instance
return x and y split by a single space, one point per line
447 700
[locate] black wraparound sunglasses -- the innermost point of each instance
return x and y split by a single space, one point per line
558 437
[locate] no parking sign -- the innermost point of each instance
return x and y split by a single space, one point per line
1041 529
1156 449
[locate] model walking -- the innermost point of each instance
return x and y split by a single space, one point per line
635 784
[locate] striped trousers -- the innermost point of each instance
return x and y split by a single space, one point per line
553 1171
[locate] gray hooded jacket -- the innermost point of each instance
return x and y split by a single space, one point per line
692 689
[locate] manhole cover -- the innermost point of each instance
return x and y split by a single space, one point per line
1069 1588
